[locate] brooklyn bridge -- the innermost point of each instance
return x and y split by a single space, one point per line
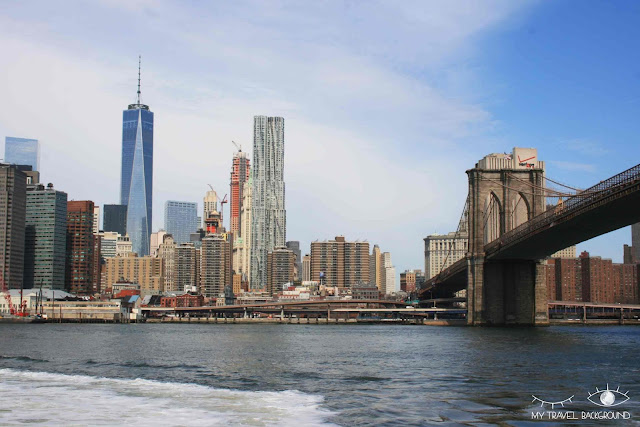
511 230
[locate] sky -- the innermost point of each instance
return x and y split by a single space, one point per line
386 104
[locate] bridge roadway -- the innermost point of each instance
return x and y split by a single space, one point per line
315 306
607 206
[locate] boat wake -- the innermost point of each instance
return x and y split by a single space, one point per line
47 398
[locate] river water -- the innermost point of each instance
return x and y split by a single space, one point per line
299 375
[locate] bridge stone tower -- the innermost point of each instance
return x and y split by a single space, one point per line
504 192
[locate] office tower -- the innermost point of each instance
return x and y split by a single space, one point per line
113 244
96 219
145 271
45 246
215 265
115 219
180 219
80 248
389 274
185 267
136 185
268 215
295 247
341 263
166 251
209 203
156 240
239 175
306 268
440 251
376 268
22 151
13 201
280 266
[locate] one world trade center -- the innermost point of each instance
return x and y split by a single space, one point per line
136 183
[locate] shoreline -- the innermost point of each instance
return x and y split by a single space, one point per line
313 321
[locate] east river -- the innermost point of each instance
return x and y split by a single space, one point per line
299 375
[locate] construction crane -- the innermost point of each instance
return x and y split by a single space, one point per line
238 146
211 187
21 311
222 202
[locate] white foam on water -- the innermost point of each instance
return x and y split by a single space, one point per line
47 398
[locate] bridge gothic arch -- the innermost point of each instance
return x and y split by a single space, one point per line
520 211
508 291
492 218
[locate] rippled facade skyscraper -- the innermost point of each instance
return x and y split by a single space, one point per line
268 215
136 183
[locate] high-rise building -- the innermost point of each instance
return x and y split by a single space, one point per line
156 240
268 215
22 151
340 263
180 219
144 271
136 184
408 281
45 246
113 244
13 204
239 175
185 267
295 247
115 219
306 268
389 274
280 266
215 265
376 268
632 253
167 251
96 219
210 204
96 284
569 252
440 251
80 247
242 244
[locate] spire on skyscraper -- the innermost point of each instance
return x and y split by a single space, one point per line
139 66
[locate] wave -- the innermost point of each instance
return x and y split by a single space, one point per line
48 398
23 359
144 365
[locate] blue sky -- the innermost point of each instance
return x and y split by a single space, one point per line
385 103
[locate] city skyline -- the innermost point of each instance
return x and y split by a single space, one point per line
470 113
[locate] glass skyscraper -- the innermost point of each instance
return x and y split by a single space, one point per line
22 151
136 184
268 215
180 220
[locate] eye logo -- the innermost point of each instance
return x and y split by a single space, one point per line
553 404
608 398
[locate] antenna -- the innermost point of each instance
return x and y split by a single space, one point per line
139 65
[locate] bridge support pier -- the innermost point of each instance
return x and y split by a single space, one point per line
506 293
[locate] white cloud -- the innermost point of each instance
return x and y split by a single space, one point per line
373 150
